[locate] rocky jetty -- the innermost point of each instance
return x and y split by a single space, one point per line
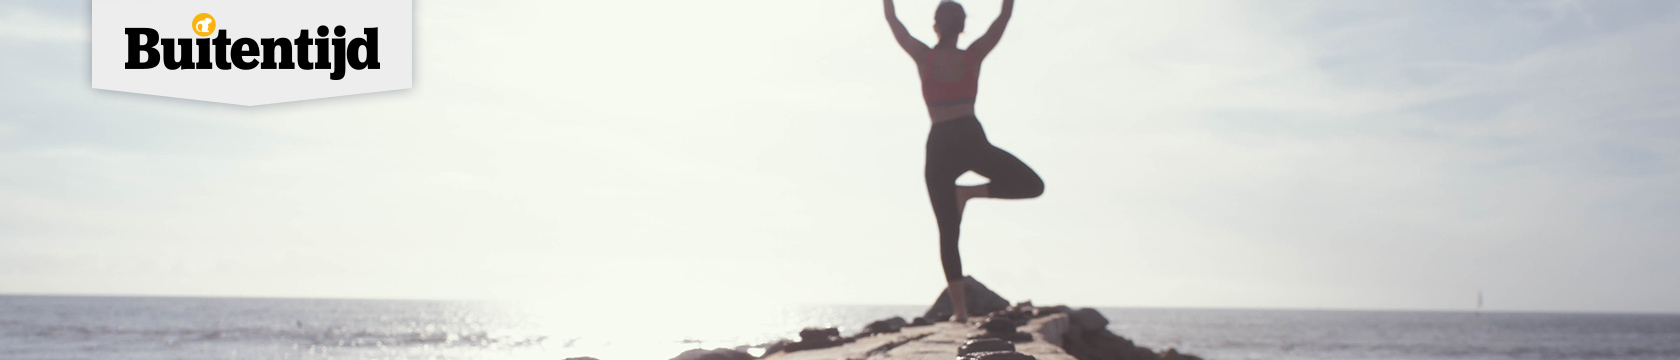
996 331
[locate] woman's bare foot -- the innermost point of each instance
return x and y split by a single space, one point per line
959 303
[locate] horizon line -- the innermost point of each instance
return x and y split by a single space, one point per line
1149 307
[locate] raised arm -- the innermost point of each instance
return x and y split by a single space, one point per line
916 48
985 43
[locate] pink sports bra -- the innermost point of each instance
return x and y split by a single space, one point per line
937 92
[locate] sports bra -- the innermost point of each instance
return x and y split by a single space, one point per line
937 92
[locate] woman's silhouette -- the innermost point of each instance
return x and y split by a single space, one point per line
956 144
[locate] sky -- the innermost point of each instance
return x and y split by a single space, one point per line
1303 154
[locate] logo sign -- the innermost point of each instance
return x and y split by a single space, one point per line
253 52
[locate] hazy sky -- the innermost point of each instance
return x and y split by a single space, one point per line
1332 154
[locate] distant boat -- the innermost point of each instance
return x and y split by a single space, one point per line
1478 301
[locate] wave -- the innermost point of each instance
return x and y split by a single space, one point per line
336 336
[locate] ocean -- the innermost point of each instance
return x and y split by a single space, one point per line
55 327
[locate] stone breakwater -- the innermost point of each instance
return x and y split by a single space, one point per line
997 330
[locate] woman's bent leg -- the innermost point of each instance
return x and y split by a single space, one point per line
1010 178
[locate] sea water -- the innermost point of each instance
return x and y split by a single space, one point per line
51 327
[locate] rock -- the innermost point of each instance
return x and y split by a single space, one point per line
816 338
777 346
1106 342
1172 354
811 345
1091 340
980 301
884 326
1015 337
1019 314
998 355
1047 311
1052 330
984 345
920 321
714 354
582 358
1089 319
998 325
818 334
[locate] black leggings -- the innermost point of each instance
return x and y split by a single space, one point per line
958 146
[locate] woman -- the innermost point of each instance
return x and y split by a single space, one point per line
957 144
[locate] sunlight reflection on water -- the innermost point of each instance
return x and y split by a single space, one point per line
173 328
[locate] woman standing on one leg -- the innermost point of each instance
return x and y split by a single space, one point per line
956 144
